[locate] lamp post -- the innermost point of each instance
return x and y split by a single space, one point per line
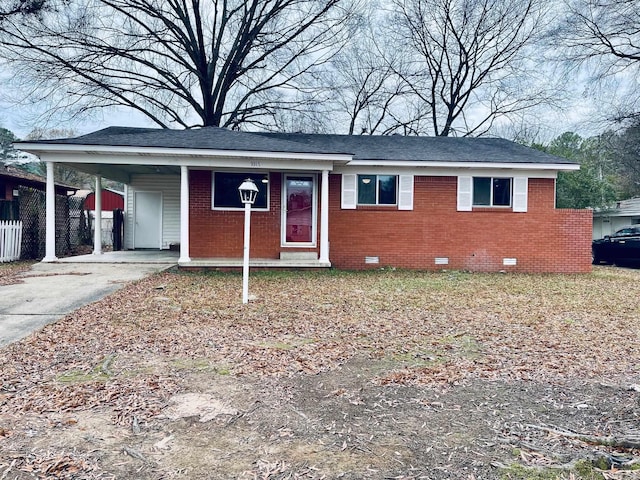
248 192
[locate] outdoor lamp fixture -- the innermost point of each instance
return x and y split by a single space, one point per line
248 193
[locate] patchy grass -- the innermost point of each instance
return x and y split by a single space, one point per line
436 327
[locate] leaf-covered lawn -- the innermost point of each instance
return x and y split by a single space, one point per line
416 368
130 349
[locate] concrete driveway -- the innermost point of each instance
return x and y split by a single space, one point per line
51 290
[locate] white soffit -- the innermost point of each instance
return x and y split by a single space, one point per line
457 165
49 148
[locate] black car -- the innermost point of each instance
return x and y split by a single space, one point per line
621 248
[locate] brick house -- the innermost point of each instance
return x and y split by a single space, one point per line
352 202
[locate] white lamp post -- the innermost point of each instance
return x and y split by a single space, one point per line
248 193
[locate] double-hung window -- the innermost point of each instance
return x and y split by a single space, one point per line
377 189
492 192
225 190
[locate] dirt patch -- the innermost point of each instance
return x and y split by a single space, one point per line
334 375
337 424
204 406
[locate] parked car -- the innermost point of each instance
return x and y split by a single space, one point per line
621 248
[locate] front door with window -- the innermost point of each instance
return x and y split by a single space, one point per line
299 210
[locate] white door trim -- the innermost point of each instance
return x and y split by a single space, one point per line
314 214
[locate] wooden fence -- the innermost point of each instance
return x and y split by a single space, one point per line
10 240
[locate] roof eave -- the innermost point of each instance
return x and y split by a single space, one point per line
43 148
462 165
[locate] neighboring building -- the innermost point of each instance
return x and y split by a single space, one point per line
22 197
12 179
111 200
608 221
353 202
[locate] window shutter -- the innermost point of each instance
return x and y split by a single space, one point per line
405 192
349 191
520 194
465 194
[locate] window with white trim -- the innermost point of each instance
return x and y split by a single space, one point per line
371 190
487 192
492 192
377 189
225 195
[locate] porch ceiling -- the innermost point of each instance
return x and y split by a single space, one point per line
123 173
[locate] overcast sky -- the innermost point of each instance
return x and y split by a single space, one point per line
580 113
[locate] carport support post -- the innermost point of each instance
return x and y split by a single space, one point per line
97 221
50 235
184 215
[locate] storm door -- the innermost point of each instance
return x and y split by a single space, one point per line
299 210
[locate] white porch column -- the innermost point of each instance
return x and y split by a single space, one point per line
184 215
324 218
97 221
50 235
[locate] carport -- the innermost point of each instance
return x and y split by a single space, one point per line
156 165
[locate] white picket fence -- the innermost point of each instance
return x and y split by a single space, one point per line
10 240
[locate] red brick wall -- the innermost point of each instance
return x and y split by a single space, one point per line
220 234
542 240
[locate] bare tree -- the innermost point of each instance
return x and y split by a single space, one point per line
368 93
470 62
626 151
604 37
179 62
364 88
10 8
63 173
359 91
604 29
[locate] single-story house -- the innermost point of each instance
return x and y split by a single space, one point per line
607 221
352 202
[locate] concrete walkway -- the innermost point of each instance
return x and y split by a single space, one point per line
51 290
126 256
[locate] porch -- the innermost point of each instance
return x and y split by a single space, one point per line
171 258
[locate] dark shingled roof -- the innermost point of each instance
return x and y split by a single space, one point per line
362 147
425 149
27 179
206 138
